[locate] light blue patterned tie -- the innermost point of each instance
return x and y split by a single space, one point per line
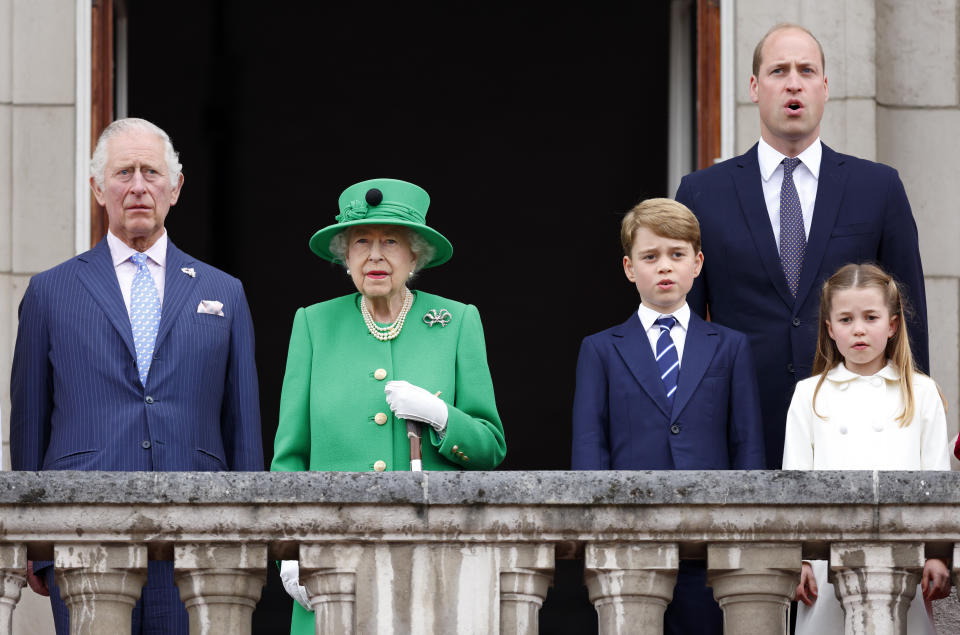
668 361
793 238
144 314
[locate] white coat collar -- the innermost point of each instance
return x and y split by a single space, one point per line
839 373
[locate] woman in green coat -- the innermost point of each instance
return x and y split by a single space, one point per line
368 371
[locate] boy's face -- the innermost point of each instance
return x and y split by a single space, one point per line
662 268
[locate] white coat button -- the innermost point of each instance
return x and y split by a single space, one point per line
380 374
876 382
878 427
842 386
379 466
380 418
843 429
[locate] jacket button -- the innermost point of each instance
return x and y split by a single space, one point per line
145 445
790 368
455 448
796 321
379 466
675 429
148 399
380 418
380 374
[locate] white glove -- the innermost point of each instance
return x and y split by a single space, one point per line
290 576
413 402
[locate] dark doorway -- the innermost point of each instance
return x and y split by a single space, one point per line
533 130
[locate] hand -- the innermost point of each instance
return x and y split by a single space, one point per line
38 584
290 576
807 589
413 402
935 582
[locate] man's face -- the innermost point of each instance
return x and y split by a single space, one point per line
790 91
136 187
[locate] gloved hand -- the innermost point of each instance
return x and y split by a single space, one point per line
413 402
290 576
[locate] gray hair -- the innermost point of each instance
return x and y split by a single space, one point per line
98 162
423 250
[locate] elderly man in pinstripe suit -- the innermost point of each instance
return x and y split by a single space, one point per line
133 355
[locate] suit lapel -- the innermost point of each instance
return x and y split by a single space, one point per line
699 348
633 345
99 277
825 210
176 288
750 191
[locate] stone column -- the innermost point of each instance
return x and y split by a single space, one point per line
754 584
631 584
220 585
956 568
100 584
329 573
526 572
875 582
13 564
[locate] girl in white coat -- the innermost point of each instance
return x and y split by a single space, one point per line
865 408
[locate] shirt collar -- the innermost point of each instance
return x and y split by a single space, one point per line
840 374
769 159
120 251
648 316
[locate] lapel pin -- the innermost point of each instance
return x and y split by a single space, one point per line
189 271
441 317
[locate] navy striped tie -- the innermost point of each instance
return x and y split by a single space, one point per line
667 359
793 238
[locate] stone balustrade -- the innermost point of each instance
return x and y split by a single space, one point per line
474 552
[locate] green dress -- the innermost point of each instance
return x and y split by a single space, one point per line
333 393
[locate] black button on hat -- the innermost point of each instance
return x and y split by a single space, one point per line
374 197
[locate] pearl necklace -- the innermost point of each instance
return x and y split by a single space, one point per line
390 331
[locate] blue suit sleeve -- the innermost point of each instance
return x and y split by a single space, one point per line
697 297
31 385
900 256
745 433
591 412
240 420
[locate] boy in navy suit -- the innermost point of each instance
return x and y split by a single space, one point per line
666 390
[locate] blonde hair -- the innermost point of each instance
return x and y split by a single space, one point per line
898 346
664 217
783 26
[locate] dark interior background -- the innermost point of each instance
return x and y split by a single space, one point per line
533 130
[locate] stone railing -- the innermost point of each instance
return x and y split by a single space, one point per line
474 552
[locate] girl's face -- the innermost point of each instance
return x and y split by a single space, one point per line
861 324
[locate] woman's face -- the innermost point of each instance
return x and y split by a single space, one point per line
379 259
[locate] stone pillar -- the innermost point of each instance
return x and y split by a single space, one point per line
13 564
956 568
631 584
329 573
875 582
754 584
526 572
100 584
220 585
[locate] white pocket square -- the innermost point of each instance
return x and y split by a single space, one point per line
213 307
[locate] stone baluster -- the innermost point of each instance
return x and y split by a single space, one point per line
631 584
526 572
329 573
220 585
100 584
956 568
876 581
754 584
13 565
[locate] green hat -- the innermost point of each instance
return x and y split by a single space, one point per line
384 202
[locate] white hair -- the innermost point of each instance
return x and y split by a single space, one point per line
423 250
98 162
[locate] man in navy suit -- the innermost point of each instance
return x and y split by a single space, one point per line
666 390
779 220
133 355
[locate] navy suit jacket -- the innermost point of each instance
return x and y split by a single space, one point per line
861 215
78 403
622 419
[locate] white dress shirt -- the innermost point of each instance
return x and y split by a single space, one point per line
805 178
156 263
679 331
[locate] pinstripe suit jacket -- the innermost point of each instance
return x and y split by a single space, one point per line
77 399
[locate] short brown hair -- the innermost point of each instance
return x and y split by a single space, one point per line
782 26
664 217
